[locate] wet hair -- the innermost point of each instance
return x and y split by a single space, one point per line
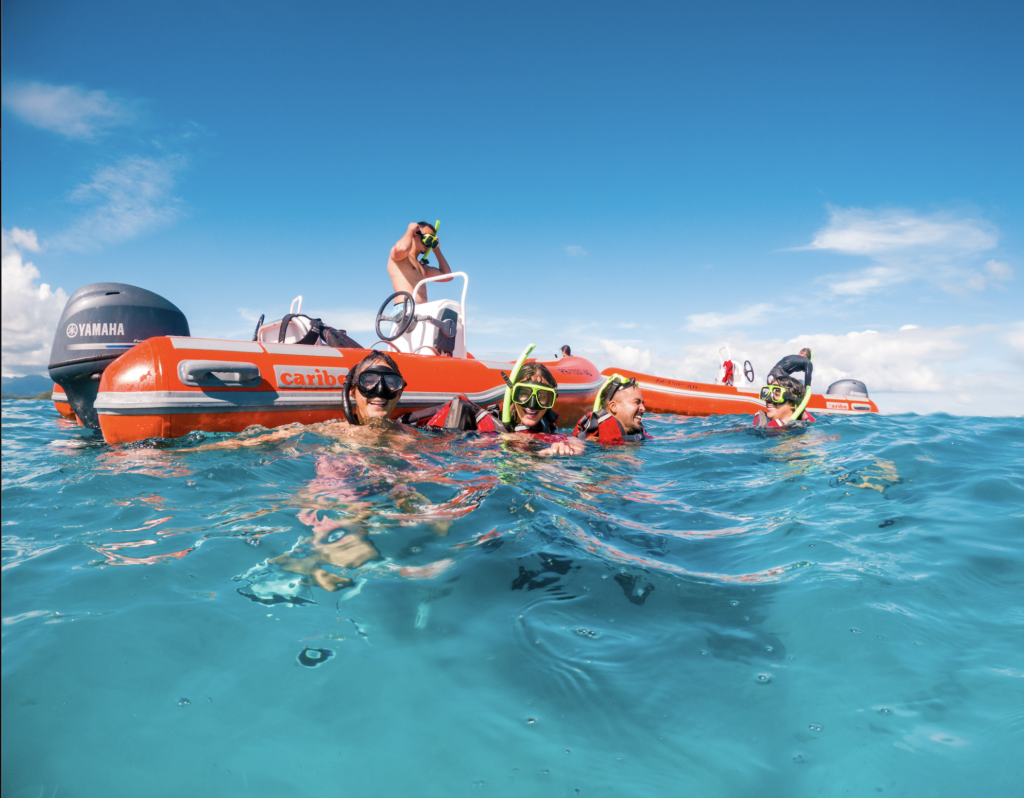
532 372
373 359
566 351
806 353
793 387
428 224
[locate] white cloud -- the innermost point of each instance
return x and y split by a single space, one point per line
868 280
1015 338
941 247
574 250
858 231
627 357
954 369
23 239
703 322
129 198
30 310
68 110
999 271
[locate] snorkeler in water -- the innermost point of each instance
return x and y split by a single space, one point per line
528 406
618 413
784 403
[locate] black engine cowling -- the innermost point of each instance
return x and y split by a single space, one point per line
101 322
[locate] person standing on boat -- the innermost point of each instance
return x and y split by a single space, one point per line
404 264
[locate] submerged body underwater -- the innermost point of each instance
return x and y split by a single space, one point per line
835 610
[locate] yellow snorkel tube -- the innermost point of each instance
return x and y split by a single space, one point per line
506 407
423 260
798 413
600 392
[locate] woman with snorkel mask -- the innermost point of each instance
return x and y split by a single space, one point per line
528 406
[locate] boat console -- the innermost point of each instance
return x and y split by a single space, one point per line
430 328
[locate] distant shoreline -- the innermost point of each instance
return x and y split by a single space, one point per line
44 396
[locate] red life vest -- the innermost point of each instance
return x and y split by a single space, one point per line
761 420
727 377
459 413
607 428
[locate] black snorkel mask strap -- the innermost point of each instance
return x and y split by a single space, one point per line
346 402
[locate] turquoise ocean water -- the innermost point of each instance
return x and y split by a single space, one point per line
719 611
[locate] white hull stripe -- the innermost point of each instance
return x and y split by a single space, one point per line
214 345
148 403
302 351
745 400
108 347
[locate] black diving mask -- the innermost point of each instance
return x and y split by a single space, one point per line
381 382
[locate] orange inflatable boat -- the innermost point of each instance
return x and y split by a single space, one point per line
129 366
687 398
167 387
60 401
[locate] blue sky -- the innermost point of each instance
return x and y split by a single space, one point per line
643 183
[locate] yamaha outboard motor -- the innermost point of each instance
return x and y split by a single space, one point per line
101 322
849 388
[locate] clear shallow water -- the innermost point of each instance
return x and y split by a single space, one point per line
834 612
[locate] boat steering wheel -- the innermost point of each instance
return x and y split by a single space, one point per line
401 322
748 371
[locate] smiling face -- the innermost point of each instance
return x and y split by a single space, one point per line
530 416
370 408
375 388
781 413
627 405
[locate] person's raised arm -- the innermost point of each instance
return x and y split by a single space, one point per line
400 251
445 268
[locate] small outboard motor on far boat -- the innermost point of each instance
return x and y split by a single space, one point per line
848 388
101 322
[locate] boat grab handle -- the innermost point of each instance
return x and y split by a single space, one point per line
445 278
209 373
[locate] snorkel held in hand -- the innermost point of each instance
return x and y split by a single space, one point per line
506 405
423 261
798 413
